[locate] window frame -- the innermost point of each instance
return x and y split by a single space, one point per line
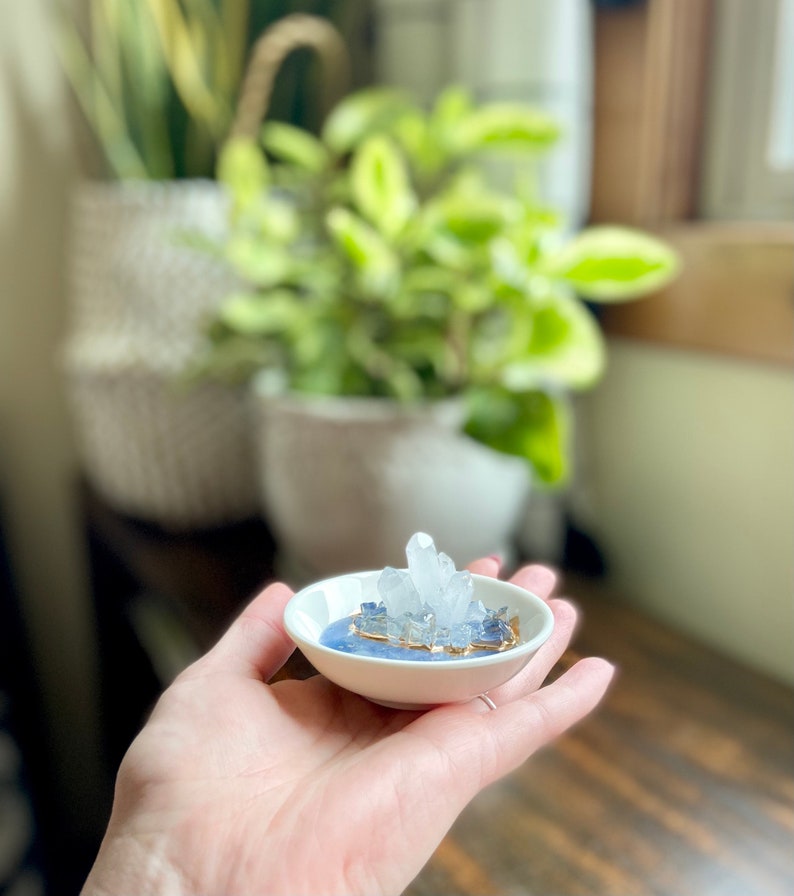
651 76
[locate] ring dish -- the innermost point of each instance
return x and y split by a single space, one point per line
408 684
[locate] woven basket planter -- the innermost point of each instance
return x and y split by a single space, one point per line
182 459
152 448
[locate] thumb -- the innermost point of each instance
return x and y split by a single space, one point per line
256 644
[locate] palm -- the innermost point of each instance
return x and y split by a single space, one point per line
292 766
301 787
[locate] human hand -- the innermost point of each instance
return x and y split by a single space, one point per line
238 787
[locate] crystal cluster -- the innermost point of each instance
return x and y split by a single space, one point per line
430 606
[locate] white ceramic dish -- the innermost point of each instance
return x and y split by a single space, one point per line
411 684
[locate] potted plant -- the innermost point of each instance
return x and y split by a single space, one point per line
157 83
412 331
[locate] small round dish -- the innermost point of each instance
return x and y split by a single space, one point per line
409 684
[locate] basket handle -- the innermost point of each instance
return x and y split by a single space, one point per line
268 53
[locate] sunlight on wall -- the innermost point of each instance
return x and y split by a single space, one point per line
693 478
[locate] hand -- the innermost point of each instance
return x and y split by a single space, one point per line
237 787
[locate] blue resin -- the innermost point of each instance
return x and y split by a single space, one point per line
338 635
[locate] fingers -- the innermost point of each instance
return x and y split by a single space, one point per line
488 566
256 644
532 676
521 727
539 580
477 747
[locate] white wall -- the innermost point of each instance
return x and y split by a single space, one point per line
36 470
693 480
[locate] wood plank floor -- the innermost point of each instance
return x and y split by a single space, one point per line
682 783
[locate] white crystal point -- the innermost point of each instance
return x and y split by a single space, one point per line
398 592
430 606
476 612
446 568
459 594
424 566
452 603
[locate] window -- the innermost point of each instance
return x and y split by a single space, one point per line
748 160
693 137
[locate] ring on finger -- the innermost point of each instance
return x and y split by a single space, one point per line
487 701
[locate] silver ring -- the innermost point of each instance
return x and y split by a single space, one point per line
487 701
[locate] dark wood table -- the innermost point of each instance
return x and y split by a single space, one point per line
682 783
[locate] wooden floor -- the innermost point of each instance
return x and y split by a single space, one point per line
682 784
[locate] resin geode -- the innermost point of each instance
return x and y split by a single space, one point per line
424 612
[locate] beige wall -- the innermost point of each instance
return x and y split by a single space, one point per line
36 464
693 481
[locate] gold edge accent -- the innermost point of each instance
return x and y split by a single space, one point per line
453 651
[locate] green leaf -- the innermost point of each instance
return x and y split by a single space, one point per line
261 314
261 262
420 344
243 170
409 130
319 342
476 218
472 296
614 264
325 378
442 128
512 126
447 251
295 146
381 188
531 425
430 278
388 373
277 219
362 245
566 347
97 103
233 359
366 249
507 267
425 291
452 106
402 383
361 114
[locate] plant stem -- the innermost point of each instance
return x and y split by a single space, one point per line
458 336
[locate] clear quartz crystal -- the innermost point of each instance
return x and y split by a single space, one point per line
398 592
437 583
430 605
460 636
397 627
476 612
454 600
446 566
424 566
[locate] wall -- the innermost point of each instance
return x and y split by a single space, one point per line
693 479
36 471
